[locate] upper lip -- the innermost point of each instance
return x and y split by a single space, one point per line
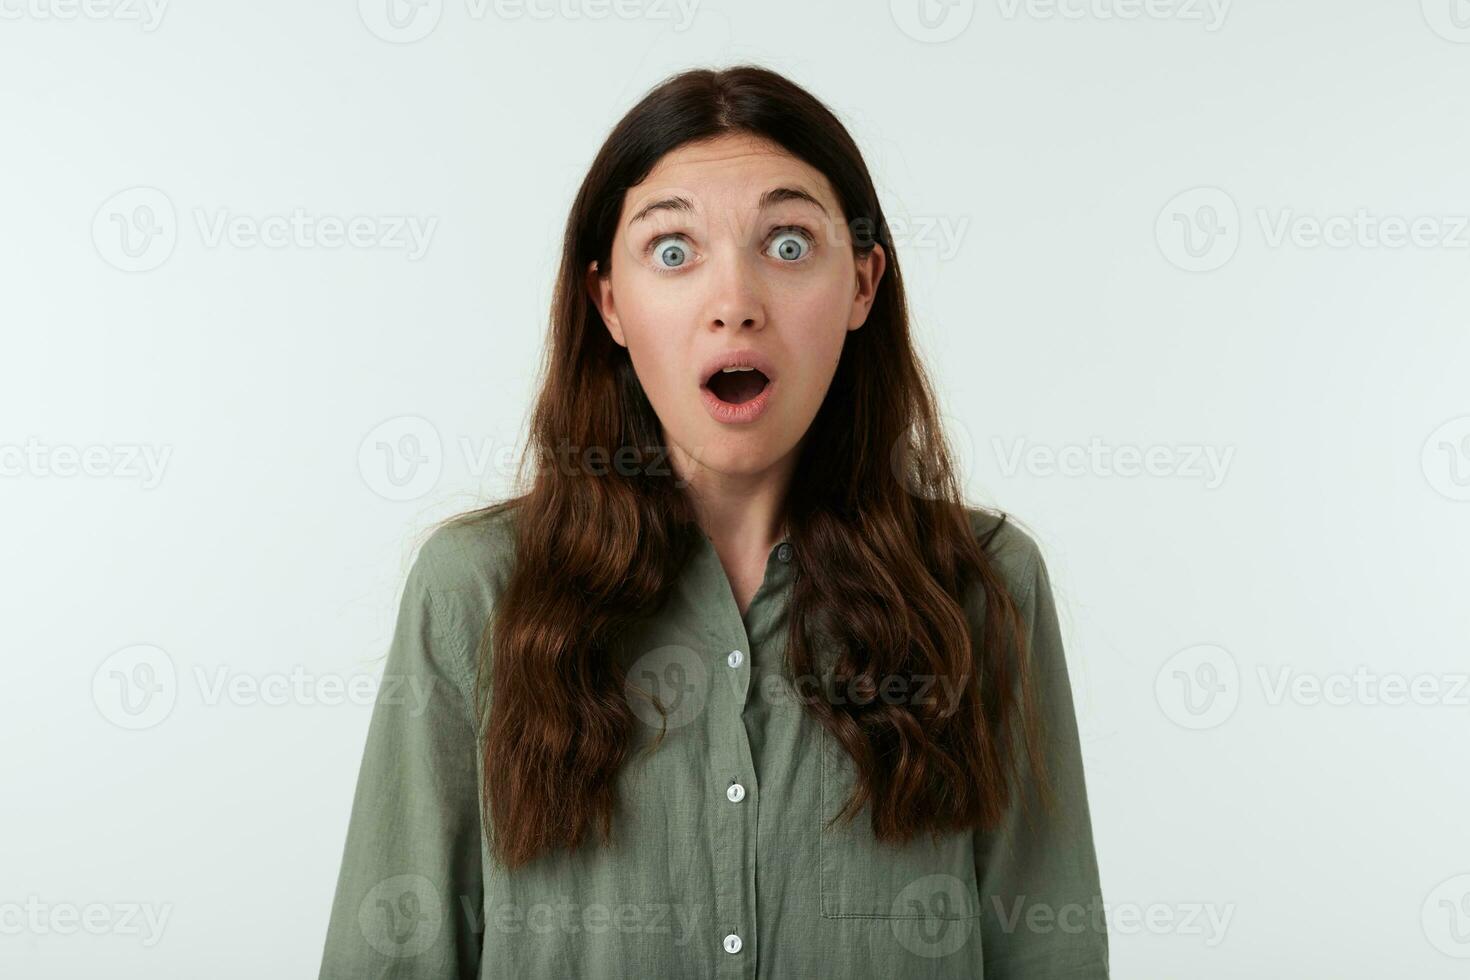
744 357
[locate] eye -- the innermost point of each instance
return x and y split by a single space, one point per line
669 252
791 245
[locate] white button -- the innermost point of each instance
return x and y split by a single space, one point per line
732 943
735 793
734 658
783 553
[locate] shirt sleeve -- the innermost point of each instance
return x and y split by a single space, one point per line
1042 908
409 895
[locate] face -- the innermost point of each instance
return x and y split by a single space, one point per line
734 250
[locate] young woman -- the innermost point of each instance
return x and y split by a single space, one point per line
739 685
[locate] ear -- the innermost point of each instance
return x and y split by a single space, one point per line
869 271
599 287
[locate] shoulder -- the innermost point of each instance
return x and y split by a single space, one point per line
471 552
458 575
1013 548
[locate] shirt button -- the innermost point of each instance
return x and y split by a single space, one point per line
734 658
784 552
732 943
735 793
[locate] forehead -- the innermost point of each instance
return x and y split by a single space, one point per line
731 171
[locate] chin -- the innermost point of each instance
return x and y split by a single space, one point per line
744 452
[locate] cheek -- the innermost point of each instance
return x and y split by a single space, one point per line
650 319
816 321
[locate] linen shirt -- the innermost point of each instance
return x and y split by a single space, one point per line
719 864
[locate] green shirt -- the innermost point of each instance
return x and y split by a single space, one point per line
719 866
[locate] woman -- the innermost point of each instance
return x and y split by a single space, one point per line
739 685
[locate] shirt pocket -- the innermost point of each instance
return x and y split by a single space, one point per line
862 877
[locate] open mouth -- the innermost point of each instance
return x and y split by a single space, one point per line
735 386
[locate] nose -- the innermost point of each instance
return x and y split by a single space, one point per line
736 298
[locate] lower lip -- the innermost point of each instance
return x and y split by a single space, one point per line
723 411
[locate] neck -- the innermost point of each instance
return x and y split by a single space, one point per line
740 511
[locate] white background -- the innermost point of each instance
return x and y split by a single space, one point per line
1049 160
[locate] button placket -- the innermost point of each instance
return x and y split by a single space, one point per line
732 635
742 824
729 753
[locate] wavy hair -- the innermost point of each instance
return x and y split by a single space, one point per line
874 510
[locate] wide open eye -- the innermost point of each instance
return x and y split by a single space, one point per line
669 252
790 245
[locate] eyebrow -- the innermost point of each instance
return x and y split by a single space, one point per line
772 197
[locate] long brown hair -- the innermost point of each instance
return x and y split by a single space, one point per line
874 512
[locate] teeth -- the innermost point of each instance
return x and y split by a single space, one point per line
730 370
